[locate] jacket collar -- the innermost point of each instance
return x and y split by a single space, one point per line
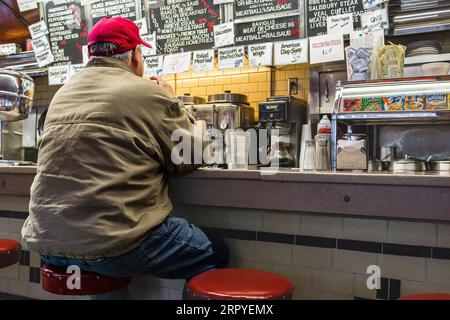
108 62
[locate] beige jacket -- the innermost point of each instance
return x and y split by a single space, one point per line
101 182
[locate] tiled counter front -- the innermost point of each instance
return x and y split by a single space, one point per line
324 246
325 256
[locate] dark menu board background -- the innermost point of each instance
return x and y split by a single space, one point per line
317 12
184 25
67 31
113 8
270 30
248 8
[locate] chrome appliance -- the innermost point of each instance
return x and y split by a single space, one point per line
16 99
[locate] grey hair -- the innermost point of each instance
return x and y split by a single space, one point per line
102 49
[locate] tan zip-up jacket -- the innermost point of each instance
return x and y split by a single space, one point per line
101 183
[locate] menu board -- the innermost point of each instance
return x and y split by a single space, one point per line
67 30
270 30
317 12
248 8
184 25
113 8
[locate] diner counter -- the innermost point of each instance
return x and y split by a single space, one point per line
404 196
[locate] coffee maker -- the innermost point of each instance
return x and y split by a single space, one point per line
16 99
283 118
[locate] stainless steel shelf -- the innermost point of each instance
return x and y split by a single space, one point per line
394 118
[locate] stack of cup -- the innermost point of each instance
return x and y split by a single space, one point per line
306 136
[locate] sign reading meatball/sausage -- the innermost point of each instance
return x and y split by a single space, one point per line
268 30
317 12
248 8
184 25
67 30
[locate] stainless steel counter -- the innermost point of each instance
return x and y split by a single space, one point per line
419 196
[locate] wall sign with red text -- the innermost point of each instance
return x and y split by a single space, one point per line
184 25
66 22
249 8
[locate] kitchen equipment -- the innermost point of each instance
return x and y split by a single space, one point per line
387 154
421 133
285 116
435 69
226 111
222 113
352 152
442 166
407 165
377 166
190 102
16 99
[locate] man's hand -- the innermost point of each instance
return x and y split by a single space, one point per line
164 85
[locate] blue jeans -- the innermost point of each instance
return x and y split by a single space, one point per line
173 250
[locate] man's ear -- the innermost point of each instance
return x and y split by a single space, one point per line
136 54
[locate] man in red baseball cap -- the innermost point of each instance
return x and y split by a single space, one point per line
100 198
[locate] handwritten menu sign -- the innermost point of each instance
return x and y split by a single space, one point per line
184 25
248 8
270 30
113 8
203 60
327 48
317 12
67 30
231 57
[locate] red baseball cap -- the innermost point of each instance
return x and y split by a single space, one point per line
120 31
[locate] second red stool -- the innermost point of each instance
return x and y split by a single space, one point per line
54 280
239 284
9 252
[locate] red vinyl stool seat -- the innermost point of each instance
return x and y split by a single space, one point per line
54 280
429 296
9 252
239 284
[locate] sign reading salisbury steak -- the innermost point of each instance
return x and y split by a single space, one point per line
67 30
270 30
113 8
248 8
184 25
317 12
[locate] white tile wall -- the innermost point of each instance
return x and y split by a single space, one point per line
3 284
175 294
321 295
252 265
332 281
318 258
244 220
287 223
19 288
301 278
351 261
364 229
403 268
4 223
15 225
321 226
361 289
12 203
273 253
11 272
35 260
438 271
413 233
206 216
241 249
24 273
415 287
444 235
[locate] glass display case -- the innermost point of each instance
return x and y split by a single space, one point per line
385 110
